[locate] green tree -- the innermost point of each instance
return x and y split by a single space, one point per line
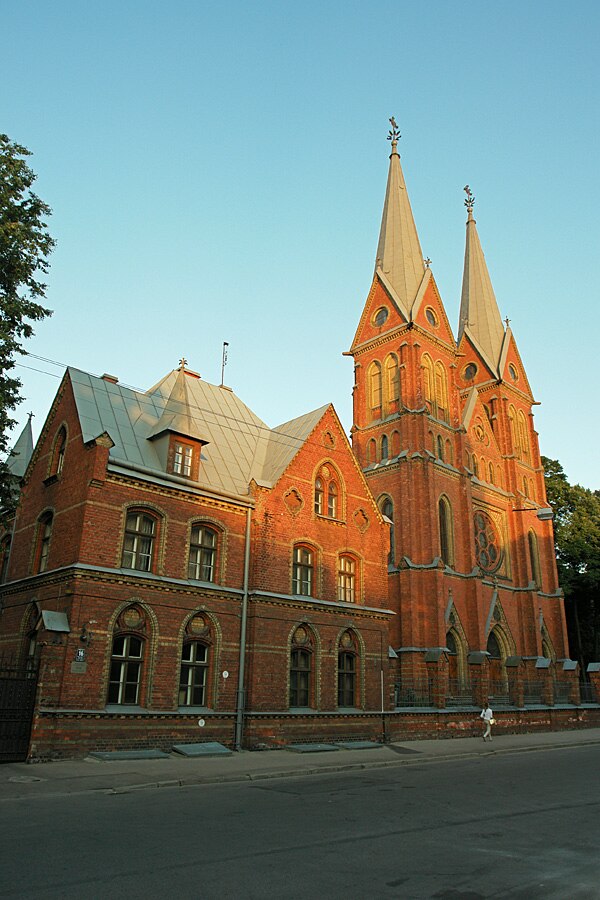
25 245
577 541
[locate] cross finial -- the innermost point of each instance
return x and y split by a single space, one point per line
507 321
427 262
182 362
31 415
393 134
470 198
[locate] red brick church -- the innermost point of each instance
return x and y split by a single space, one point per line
177 571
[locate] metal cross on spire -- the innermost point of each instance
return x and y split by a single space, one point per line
183 362
394 132
470 198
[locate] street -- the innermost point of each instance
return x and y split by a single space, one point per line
520 826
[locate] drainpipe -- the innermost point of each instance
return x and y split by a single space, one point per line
241 698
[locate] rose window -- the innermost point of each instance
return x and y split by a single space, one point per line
487 543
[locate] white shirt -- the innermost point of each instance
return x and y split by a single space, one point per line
487 714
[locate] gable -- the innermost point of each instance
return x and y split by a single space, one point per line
512 371
381 314
429 314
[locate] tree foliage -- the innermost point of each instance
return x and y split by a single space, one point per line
25 246
577 541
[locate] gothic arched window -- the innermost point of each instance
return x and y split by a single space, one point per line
446 532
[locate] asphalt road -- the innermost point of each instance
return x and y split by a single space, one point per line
520 826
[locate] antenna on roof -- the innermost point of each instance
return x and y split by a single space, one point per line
224 362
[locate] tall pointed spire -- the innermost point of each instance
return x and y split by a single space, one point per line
479 313
21 453
399 256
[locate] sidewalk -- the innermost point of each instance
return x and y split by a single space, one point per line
20 781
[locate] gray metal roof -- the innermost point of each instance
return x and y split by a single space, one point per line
239 445
21 453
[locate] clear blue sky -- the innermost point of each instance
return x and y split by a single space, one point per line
217 173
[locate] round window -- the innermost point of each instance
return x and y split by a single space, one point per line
513 372
380 317
488 550
470 372
431 317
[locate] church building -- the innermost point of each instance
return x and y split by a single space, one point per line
178 572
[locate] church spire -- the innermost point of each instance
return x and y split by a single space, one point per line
399 257
479 314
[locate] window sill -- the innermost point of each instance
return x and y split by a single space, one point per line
124 709
51 479
193 710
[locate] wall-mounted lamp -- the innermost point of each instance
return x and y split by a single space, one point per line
86 636
544 513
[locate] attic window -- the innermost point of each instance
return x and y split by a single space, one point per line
380 317
431 317
183 458
513 372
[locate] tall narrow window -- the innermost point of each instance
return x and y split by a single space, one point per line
319 496
384 447
125 670
428 389
45 535
203 553
392 383
5 556
491 473
523 437
440 447
347 675
303 571
374 383
60 447
300 676
446 539
372 451
512 427
332 500
138 544
347 580
534 559
441 391
387 508
193 674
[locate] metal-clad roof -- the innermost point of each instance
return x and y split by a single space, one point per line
239 445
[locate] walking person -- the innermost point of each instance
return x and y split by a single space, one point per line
488 720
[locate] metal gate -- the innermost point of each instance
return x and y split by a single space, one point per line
18 683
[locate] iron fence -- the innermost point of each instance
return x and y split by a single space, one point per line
498 694
413 693
533 692
587 692
562 691
459 693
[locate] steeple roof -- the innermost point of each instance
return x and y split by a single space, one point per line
399 257
179 416
21 453
479 314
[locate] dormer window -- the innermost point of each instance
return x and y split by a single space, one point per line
182 460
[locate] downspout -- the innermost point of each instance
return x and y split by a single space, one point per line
241 694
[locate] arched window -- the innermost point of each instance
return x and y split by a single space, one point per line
428 387
523 437
491 473
441 392
372 451
475 466
374 383
512 425
60 446
392 382
488 546
319 496
525 487
534 559
387 509
446 535
332 500
193 674
125 670
44 538
395 443
303 571
347 671
138 542
440 447
203 553
493 646
384 447
4 557
347 579
301 674
449 453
